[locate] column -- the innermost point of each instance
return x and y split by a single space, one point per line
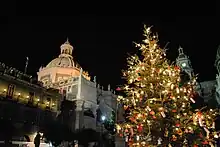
95 114
79 114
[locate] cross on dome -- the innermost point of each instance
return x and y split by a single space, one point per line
67 41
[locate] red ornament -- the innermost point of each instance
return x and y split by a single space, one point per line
177 125
132 118
199 113
118 89
154 117
176 67
152 112
139 78
174 110
205 142
139 128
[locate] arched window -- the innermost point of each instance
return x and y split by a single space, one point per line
66 51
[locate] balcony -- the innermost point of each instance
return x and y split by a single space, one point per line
35 103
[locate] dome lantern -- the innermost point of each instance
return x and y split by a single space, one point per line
66 49
65 58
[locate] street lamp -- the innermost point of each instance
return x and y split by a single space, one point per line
103 118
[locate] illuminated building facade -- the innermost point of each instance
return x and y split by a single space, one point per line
63 73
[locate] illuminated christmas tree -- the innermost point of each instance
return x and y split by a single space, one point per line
158 110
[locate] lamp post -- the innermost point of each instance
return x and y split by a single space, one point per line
103 118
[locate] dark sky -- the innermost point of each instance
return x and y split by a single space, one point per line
102 42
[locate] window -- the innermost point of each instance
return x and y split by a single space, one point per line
69 88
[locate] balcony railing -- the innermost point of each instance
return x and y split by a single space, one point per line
6 70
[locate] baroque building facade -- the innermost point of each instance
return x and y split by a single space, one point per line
24 102
66 75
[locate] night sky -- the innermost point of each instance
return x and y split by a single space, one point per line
101 43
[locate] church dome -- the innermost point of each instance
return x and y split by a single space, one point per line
65 58
61 62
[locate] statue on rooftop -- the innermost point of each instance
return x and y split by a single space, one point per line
218 88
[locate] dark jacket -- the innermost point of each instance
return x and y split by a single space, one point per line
37 139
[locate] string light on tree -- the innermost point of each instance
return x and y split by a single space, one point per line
157 109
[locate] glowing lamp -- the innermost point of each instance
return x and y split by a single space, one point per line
103 118
183 64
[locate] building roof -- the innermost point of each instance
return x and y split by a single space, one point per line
61 62
65 58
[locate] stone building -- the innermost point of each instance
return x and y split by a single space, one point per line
24 101
65 74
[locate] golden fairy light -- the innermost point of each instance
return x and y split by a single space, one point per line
157 106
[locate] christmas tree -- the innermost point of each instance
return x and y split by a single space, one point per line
158 105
